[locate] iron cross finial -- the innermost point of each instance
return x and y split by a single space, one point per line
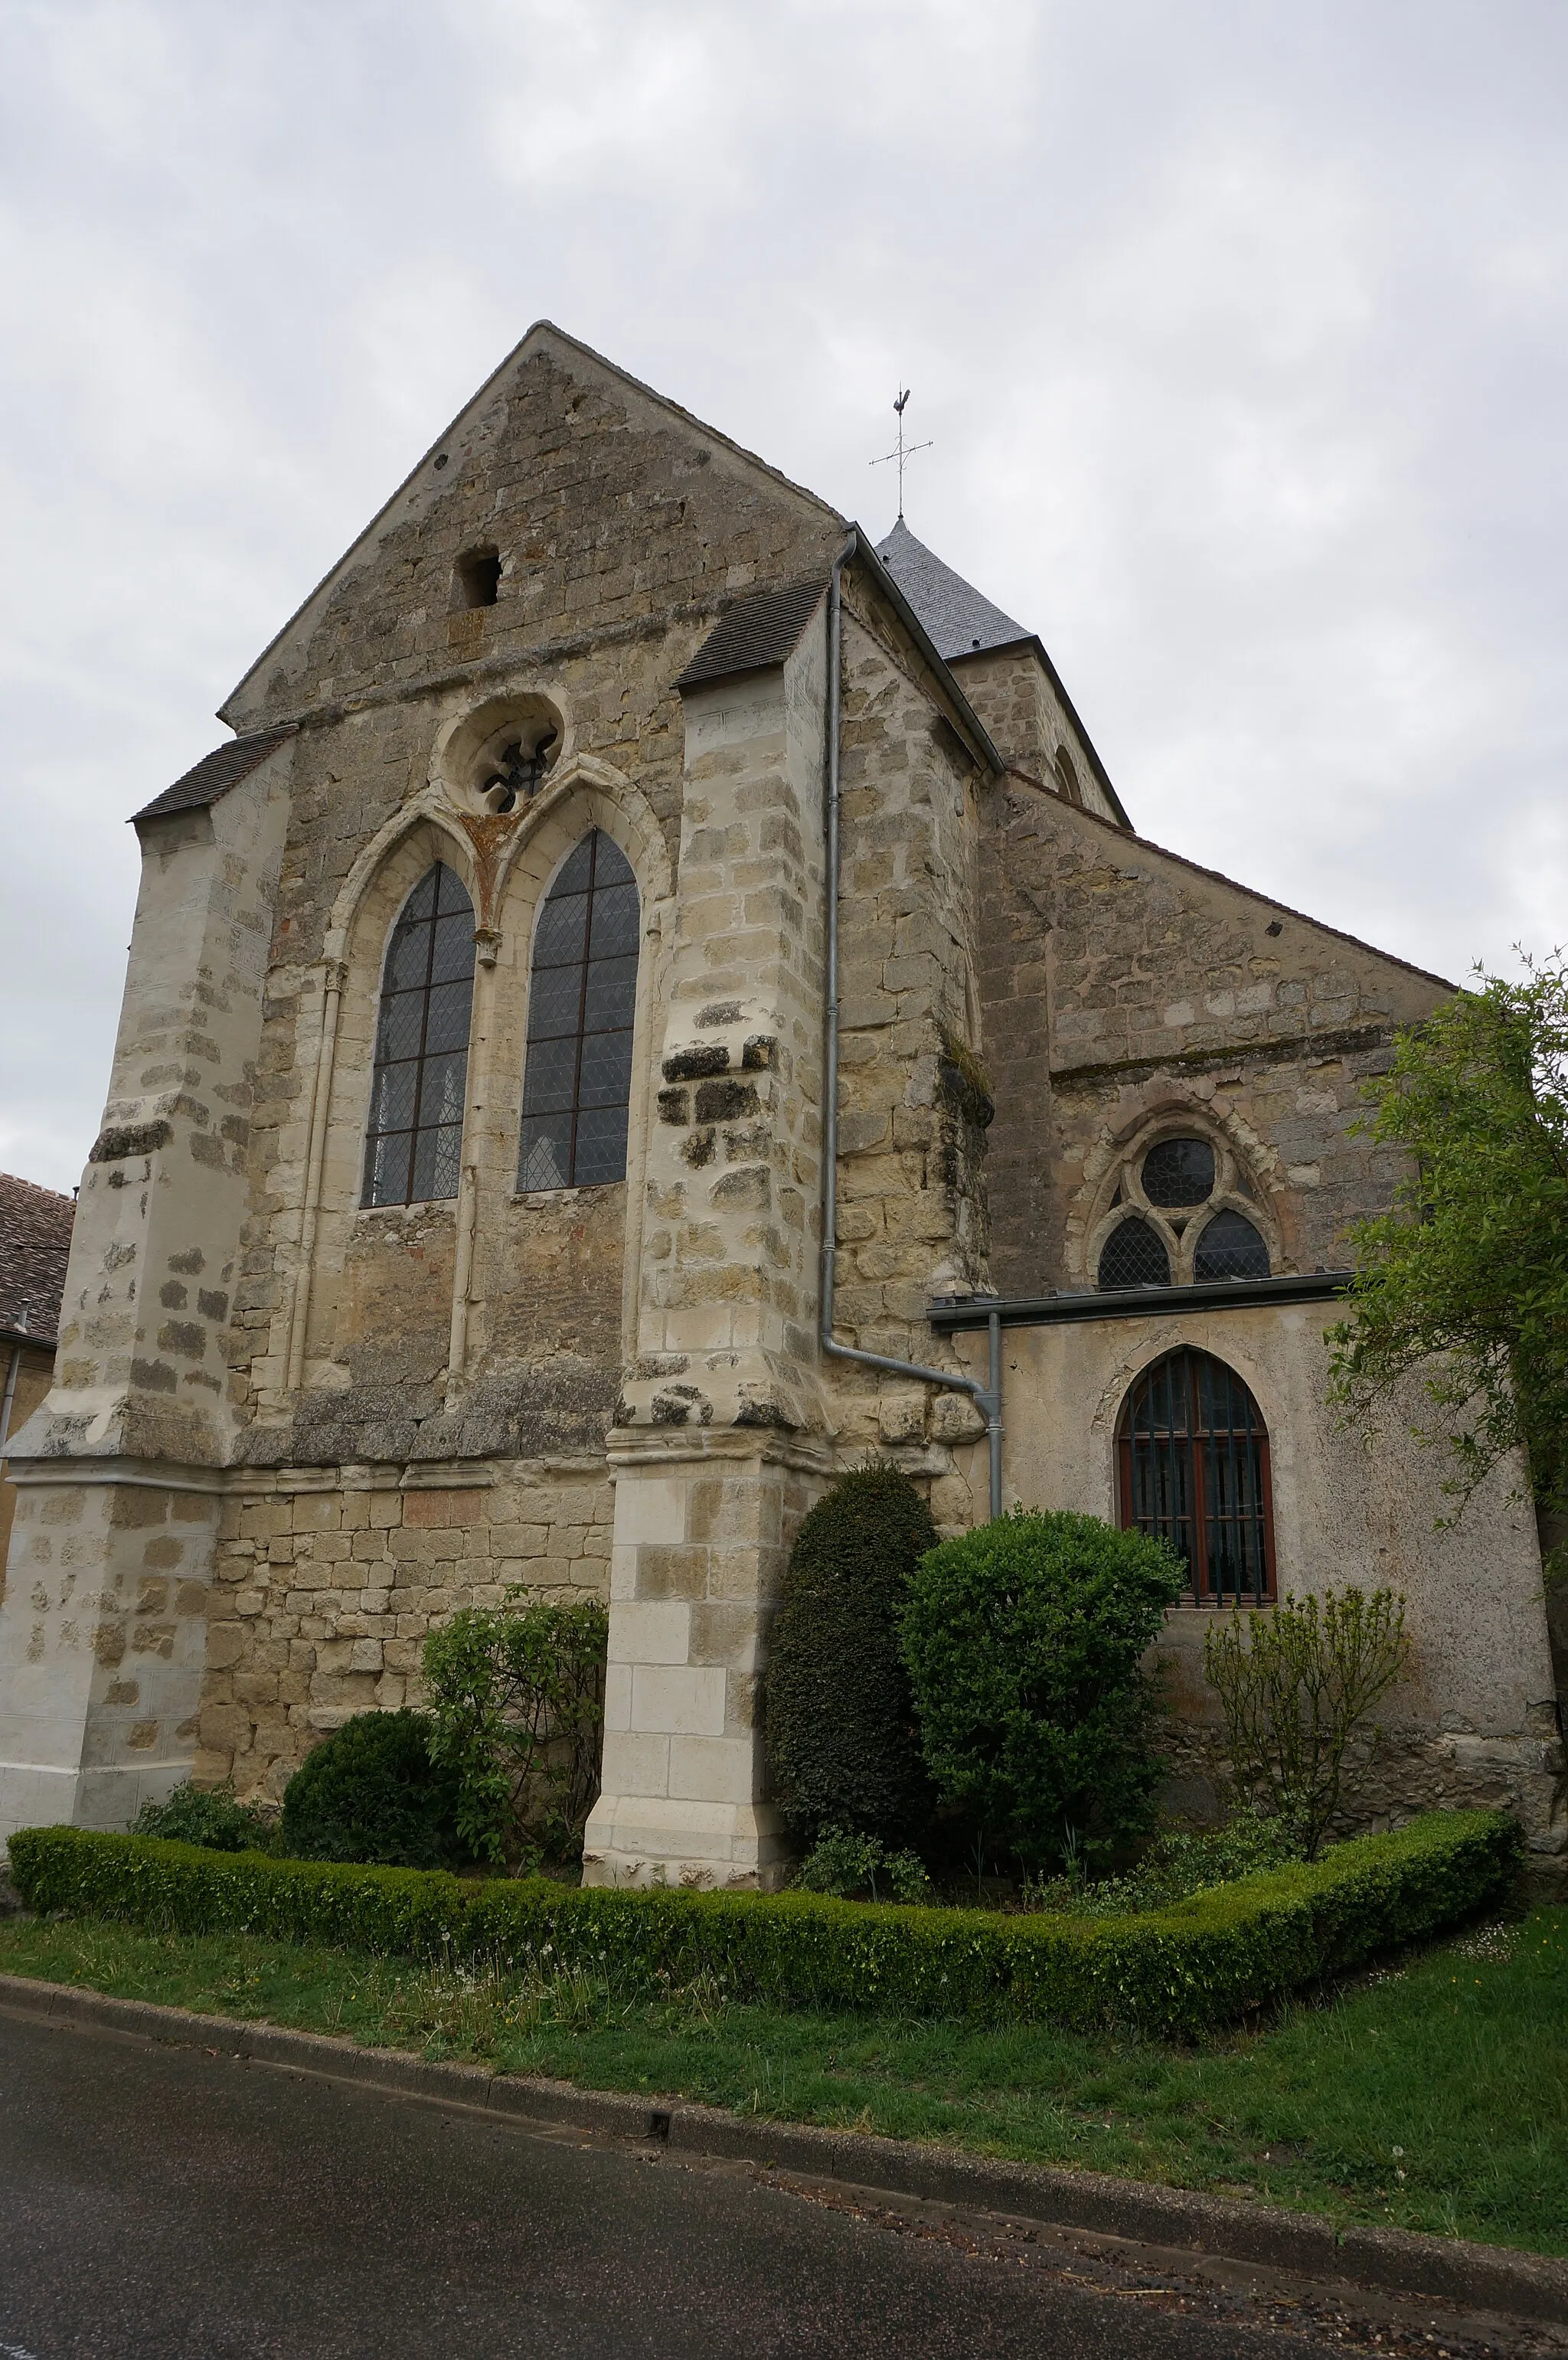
902 451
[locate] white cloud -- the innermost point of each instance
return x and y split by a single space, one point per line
1239 328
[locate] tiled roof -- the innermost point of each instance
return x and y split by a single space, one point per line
958 620
758 630
216 773
35 1238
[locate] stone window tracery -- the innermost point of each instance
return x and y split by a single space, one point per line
413 1148
581 1002
1193 1469
1174 1217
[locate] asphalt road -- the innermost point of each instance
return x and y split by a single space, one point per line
158 2204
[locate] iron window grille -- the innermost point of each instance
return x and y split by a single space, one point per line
582 1000
1192 1454
414 1150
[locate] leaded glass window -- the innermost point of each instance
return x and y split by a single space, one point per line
1230 1247
1134 1255
1179 1172
1193 1465
415 1144
577 1081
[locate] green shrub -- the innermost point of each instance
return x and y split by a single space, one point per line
1294 1687
1202 1963
849 1864
210 1815
371 1792
1024 1641
842 1745
517 1717
1179 1863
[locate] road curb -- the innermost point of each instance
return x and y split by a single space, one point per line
1394 2261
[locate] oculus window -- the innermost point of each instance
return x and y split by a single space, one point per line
582 998
415 1145
1193 1462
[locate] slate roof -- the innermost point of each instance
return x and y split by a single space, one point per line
35 1238
759 630
958 620
216 773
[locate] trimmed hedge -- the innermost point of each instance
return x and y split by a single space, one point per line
1201 1963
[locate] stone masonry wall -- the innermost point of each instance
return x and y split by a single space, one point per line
1030 725
1119 982
913 1086
326 1585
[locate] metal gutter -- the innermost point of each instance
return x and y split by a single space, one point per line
1137 1302
988 1397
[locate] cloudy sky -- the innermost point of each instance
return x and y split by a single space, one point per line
1240 329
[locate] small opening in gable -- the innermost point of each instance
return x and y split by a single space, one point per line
478 577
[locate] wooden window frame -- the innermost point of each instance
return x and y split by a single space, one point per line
1198 1443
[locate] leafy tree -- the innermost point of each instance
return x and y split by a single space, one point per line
1295 1685
517 1696
1024 1641
842 1746
1466 1279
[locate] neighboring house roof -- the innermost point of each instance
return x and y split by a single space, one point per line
760 630
216 773
958 620
34 1240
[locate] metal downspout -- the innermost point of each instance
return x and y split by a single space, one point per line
988 1397
10 1397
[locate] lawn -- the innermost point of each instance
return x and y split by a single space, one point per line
1433 2096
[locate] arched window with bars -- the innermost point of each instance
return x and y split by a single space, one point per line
414 1147
581 1002
1192 1463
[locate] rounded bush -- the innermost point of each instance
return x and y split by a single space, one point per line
1024 1642
371 1793
842 1745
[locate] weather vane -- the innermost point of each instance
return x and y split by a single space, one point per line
903 452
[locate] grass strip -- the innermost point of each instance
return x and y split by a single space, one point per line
1430 2095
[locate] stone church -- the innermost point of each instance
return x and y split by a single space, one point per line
620 876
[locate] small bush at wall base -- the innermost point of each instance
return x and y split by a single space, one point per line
1203 1963
209 1816
371 1793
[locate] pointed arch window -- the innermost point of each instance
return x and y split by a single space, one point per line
1192 1453
414 1146
582 1000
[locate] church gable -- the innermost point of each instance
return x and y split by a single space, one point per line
566 500
1122 983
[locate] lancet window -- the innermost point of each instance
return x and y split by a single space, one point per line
414 1150
582 1000
1192 1454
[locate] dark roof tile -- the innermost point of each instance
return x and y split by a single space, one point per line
958 621
760 630
216 773
35 1240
